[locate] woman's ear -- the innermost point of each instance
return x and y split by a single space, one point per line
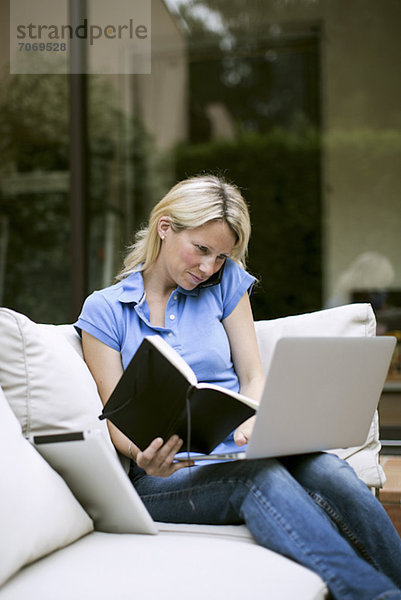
163 226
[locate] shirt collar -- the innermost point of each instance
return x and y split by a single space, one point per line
194 292
133 289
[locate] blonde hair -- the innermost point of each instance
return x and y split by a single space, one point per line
189 204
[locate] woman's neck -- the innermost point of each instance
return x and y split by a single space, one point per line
157 291
156 284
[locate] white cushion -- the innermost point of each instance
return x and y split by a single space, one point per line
171 566
71 335
350 320
38 513
45 380
50 388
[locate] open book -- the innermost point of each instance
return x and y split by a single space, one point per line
154 392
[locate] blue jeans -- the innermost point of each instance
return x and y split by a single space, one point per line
311 508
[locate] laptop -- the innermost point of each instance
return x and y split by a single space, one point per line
320 393
94 474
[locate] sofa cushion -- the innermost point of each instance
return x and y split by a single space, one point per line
171 566
349 320
38 513
45 380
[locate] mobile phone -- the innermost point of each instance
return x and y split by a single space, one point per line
214 279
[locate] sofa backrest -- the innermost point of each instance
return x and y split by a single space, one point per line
355 320
45 380
49 387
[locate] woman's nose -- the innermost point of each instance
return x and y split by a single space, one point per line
206 266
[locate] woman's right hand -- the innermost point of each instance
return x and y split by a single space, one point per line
158 458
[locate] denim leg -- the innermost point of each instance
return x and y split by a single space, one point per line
279 513
334 486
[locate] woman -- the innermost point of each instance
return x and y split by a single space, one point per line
184 279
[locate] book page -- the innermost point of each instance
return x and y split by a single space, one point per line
244 399
174 358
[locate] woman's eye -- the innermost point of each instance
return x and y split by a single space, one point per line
201 248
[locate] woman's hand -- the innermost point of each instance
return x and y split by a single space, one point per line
106 368
243 431
158 457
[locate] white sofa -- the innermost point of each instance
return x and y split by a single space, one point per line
48 546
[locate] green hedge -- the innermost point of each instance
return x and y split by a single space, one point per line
279 175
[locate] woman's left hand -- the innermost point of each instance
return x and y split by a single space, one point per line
243 431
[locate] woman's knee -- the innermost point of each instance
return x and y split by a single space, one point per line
324 472
267 474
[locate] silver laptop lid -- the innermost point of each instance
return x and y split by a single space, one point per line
320 393
97 479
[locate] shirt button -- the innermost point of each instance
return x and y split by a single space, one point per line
172 317
175 297
170 334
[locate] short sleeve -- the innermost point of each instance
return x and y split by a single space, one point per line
235 282
99 319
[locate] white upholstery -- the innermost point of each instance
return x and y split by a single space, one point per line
350 320
171 566
38 513
49 388
46 382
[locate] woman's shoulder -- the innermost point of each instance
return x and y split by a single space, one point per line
102 313
108 303
234 283
130 286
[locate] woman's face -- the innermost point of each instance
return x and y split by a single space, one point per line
191 256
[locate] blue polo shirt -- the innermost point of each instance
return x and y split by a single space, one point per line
119 317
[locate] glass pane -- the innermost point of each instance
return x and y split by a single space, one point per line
240 95
34 179
298 103
110 189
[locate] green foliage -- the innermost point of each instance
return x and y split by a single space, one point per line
279 175
34 140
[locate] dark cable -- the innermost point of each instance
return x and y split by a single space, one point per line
188 411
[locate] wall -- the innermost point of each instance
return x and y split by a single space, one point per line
361 115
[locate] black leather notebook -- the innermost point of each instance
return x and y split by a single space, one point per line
158 396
